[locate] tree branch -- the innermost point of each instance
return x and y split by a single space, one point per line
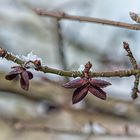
46 69
62 15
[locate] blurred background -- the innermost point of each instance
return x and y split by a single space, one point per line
45 111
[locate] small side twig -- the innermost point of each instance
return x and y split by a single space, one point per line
135 66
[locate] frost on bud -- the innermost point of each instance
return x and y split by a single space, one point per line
31 57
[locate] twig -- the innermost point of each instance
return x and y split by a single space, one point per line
130 55
62 15
135 66
46 69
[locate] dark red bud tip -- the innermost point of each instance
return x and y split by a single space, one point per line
3 52
86 70
88 65
37 64
125 45
134 96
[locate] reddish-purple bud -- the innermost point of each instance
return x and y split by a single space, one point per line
11 75
79 94
99 83
25 76
75 83
24 81
30 75
97 92
86 84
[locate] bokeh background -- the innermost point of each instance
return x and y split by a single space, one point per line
45 111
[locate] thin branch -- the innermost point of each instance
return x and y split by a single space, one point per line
62 15
46 69
135 66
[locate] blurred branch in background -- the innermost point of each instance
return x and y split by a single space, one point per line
38 90
30 126
61 48
102 57
62 15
